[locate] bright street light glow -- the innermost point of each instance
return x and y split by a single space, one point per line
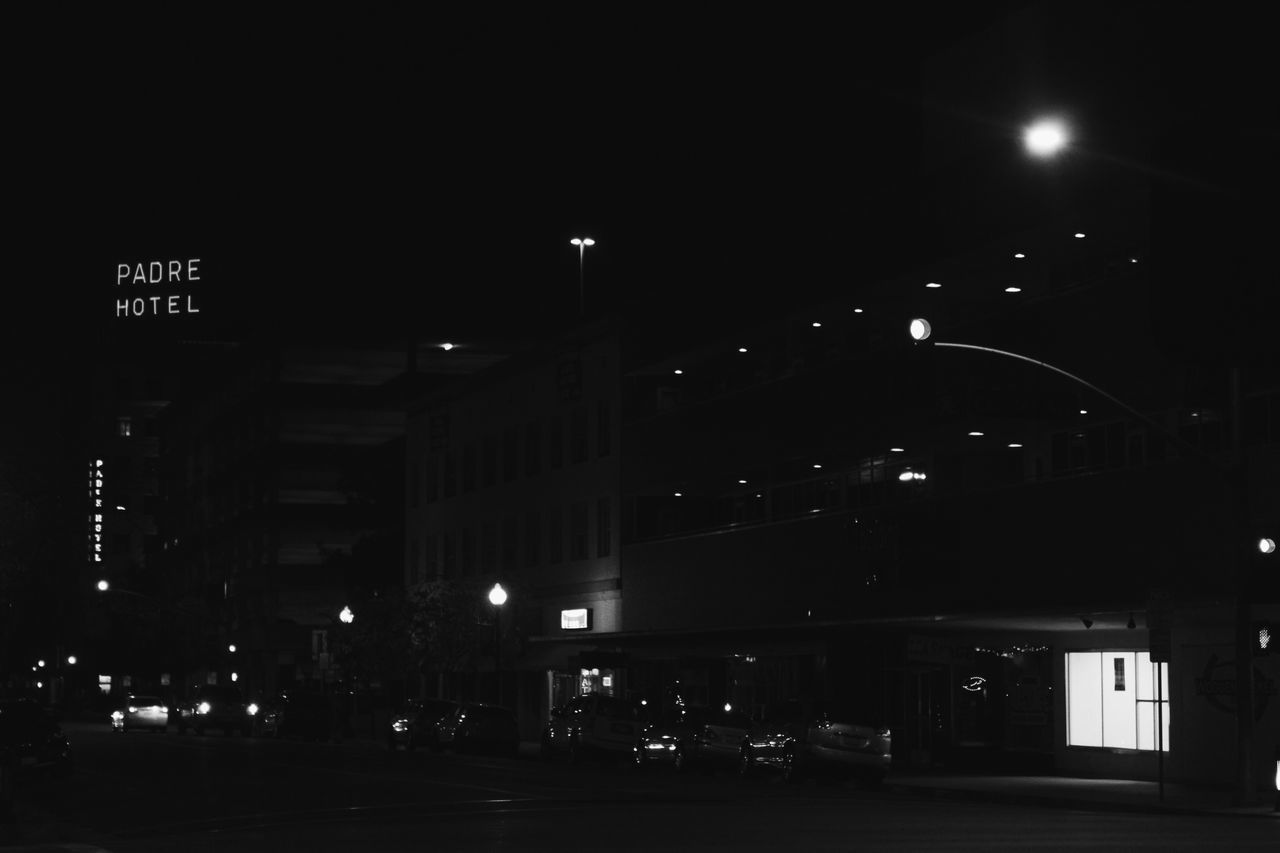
235 676
71 659
497 595
1267 546
920 329
816 465
1013 289
817 325
102 586
933 284
1084 411
1079 235
346 616
857 310
1015 445
679 372
975 433
39 663
897 450
742 349
742 482
232 648
1018 255
1045 138
446 347
905 476
679 494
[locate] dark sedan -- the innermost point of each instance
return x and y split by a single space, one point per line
477 727
413 725
31 741
695 736
801 739
217 707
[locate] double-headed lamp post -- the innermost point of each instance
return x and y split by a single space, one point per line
921 331
582 243
497 597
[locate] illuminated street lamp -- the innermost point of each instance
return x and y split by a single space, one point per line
1046 138
346 616
1267 546
103 586
71 659
582 243
497 597
232 648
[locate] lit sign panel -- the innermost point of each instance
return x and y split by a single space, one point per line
974 683
95 511
143 280
576 620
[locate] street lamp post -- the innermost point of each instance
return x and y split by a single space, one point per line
1233 480
497 597
582 243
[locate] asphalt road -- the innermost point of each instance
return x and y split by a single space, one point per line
143 792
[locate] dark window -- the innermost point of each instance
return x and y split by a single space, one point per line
433 556
468 551
510 537
604 528
469 467
433 479
578 435
490 462
510 453
532 538
488 547
555 441
604 429
450 554
578 531
532 449
450 475
555 535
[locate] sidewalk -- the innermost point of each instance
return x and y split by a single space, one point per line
1074 792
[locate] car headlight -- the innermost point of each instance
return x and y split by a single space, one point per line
133 709
164 709
116 715
202 708
252 709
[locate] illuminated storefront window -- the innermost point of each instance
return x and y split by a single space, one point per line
1112 700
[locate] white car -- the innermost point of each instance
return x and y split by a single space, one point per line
139 713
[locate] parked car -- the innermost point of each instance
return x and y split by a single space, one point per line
296 713
31 741
217 707
695 736
476 727
412 726
140 712
800 738
592 724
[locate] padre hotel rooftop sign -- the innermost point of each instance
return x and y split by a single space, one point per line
150 288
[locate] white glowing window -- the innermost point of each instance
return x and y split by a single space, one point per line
1111 700
575 620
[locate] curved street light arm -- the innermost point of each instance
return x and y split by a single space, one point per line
1181 443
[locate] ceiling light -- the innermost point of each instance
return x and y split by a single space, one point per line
446 347
857 310
1018 255
742 349
975 433
896 450
817 325
1079 235
1013 288
933 284
679 373
1015 445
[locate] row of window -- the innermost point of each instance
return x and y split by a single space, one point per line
513 452
536 538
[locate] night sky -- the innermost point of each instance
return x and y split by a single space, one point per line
358 175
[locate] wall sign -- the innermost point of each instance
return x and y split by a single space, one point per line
576 620
151 288
95 511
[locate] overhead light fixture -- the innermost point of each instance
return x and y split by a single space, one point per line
1079 235
817 325
1015 444
857 310
679 494
975 433
1018 255
742 482
742 349
1084 411
446 347
1013 289
897 450
933 284
679 373
817 465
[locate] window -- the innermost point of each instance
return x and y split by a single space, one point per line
450 475
450 554
469 467
510 453
488 547
578 531
510 535
468 551
555 442
578 435
1111 700
604 429
433 556
532 449
532 538
433 479
604 532
490 461
555 535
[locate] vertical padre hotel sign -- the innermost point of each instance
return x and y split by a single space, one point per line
151 288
